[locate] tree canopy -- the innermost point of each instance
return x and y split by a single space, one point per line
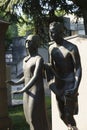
39 10
42 12
82 11
81 3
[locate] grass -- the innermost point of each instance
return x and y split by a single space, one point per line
18 119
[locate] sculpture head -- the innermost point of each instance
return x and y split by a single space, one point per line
56 30
32 43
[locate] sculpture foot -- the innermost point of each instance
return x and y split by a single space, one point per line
72 127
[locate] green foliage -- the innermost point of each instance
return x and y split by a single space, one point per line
41 11
25 28
11 32
59 13
18 119
81 4
20 28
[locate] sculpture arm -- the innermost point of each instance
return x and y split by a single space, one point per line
77 69
36 75
20 81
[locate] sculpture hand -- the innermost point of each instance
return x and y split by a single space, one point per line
10 82
70 92
17 92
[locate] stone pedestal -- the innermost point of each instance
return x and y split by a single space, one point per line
5 121
81 118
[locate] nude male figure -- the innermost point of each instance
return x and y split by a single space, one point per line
66 68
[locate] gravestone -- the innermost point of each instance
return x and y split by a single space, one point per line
5 121
81 118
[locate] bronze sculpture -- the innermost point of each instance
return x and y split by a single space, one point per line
64 74
33 91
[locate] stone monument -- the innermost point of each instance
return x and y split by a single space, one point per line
5 121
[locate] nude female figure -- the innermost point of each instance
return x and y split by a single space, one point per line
33 91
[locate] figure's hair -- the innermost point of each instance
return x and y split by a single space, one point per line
59 26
